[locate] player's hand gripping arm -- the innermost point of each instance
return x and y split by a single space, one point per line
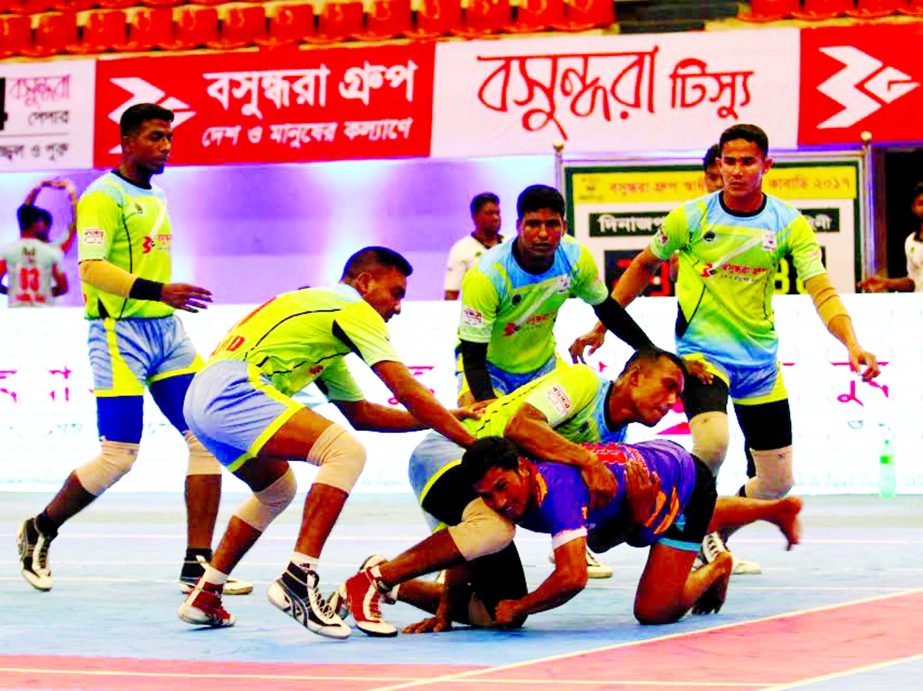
420 402
530 431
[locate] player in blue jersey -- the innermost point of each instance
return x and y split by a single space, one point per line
551 498
730 243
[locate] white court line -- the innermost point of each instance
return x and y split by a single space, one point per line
847 672
451 678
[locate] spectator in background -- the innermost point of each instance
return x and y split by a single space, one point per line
32 262
485 212
711 164
913 248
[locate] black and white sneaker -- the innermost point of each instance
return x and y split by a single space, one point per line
194 569
295 592
33 555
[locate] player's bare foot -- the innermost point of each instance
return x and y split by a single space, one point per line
713 599
787 519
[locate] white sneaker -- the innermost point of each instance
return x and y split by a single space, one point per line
295 593
744 567
594 567
203 607
194 569
33 555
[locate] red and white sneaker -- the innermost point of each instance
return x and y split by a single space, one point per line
364 597
338 600
202 607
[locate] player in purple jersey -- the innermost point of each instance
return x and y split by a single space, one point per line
657 479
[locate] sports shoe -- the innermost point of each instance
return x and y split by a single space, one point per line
338 600
712 546
364 597
295 593
33 555
194 569
594 567
202 607
745 567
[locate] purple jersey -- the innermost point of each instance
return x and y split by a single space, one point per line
564 499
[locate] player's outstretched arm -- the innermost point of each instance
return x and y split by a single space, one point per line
420 401
629 286
881 284
833 313
60 281
374 417
3 289
568 578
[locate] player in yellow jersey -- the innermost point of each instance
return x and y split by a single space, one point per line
241 407
135 341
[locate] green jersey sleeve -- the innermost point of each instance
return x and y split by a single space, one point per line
98 218
589 287
361 328
480 302
673 235
805 250
564 392
338 383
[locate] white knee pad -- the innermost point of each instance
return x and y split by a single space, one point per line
340 456
261 508
482 531
710 438
201 462
115 459
774 476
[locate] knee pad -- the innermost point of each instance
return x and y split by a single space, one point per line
201 461
340 456
482 531
261 508
774 476
710 438
115 459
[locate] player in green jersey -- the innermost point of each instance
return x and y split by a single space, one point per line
135 341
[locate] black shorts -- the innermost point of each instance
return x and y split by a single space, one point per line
691 526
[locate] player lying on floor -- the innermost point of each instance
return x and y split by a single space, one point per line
552 498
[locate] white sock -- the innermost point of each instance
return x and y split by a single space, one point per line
304 561
214 576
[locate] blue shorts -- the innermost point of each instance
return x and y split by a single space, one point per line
504 382
233 408
747 385
128 354
432 459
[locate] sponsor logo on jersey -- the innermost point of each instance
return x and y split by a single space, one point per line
559 399
93 236
472 317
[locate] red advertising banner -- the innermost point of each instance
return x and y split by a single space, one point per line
314 105
861 78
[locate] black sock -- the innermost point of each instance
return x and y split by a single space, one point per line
193 552
46 526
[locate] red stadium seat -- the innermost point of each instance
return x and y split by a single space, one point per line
913 8
117 4
30 6
74 5
436 18
338 21
241 26
581 15
161 3
150 28
816 10
55 33
289 25
484 17
195 27
770 10
104 30
537 15
386 19
15 35
871 9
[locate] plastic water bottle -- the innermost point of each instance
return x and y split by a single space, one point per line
887 473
